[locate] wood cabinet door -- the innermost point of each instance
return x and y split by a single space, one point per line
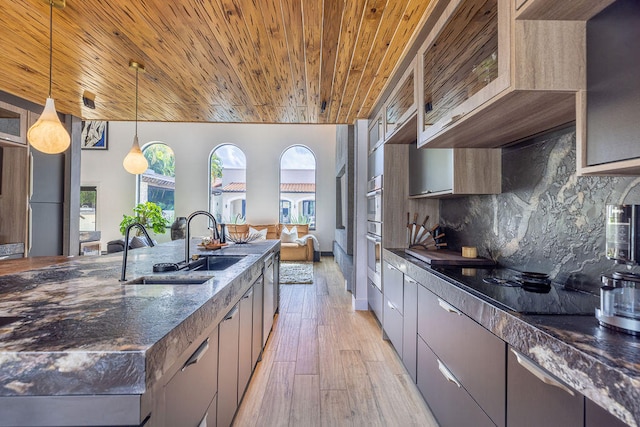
402 102
376 131
13 123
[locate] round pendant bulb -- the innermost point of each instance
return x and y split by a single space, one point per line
135 162
47 134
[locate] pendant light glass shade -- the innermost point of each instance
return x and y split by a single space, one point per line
135 162
47 134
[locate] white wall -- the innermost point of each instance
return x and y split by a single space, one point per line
192 144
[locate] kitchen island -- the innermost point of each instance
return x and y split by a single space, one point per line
600 364
76 339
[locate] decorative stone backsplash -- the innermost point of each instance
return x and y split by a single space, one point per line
547 219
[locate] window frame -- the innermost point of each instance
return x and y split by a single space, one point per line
139 181
210 196
294 204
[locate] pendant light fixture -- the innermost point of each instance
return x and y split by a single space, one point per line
47 134
135 162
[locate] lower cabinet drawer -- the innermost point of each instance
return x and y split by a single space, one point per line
209 419
536 398
374 296
393 284
474 355
189 392
447 399
393 321
410 326
595 416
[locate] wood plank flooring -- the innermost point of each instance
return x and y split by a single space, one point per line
327 365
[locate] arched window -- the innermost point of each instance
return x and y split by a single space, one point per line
158 183
298 186
228 183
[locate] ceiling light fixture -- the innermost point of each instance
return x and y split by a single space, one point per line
47 134
135 162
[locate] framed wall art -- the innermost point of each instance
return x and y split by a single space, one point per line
94 135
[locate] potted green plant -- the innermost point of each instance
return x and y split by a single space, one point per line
149 215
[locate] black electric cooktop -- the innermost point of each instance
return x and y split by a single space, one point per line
500 286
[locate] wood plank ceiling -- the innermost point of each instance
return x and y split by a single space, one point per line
250 61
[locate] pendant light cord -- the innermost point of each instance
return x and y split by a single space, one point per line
50 44
136 101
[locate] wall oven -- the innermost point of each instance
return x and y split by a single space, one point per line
374 230
374 199
374 251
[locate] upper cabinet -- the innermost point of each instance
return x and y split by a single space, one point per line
444 172
13 123
574 10
486 79
607 126
400 109
376 131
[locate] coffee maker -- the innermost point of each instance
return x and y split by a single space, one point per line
620 293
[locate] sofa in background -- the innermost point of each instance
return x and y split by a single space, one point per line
289 250
134 243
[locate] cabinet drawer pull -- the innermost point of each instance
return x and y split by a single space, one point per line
539 373
231 314
391 267
409 279
248 294
448 307
391 306
197 355
203 422
447 373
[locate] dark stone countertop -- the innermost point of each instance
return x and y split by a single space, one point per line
602 364
80 331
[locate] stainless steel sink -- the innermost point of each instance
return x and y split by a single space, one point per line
215 262
158 280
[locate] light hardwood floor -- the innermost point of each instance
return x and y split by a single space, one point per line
327 365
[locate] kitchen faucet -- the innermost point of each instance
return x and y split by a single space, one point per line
126 246
216 235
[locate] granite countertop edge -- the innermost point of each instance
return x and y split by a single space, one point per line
601 364
145 329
